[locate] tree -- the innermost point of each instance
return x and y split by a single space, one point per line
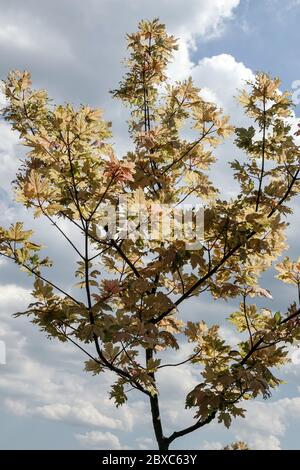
131 313
239 445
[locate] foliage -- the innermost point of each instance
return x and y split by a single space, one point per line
134 287
239 445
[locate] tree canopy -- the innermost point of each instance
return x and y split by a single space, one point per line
136 285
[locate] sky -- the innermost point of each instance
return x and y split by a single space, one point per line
74 50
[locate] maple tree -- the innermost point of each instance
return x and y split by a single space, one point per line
135 286
239 445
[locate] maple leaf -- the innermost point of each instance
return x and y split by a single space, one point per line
119 171
136 281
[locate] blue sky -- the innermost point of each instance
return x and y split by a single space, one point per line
73 49
264 36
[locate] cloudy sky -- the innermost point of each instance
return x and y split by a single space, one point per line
74 49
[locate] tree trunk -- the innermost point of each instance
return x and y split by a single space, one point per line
164 444
162 441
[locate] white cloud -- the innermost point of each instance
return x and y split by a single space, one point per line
13 296
12 35
31 385
258 441
145 443
266 422
16 407
262 442
42 36
15 33
8 150
220 77
212 445
100 440
81 412
265 418
201 18
3 100
168 380
229 335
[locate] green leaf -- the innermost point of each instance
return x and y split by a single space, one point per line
277 317
118 395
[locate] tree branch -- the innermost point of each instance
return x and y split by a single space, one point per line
261 340
263 156
185 154
43 278
155 412
59 229
113 368
192 428
224 259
